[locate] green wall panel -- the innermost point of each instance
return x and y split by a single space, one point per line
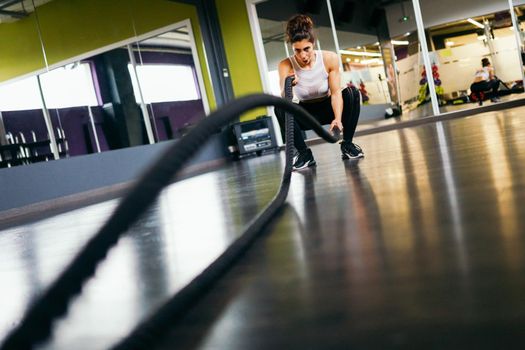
21 51
240 52
74 27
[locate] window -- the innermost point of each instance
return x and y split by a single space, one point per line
20 95
164 83
69 86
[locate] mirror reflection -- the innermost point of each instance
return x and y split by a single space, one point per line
24 132
474 56
134 94
166 83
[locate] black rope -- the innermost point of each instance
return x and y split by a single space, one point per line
149 331
36 325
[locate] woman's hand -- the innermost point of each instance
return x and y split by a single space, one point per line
294 81
336 126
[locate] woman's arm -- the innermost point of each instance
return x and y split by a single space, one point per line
285 70
491 73
334 83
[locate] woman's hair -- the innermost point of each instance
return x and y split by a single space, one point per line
298 28
485 62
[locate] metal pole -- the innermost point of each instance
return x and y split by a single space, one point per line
490 43
92 120
426 57
286 49
145 112
518 38
334 33
47 119
3 140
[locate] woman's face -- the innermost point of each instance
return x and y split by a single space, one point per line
303 51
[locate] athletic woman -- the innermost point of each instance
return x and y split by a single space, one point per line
485 80
317 85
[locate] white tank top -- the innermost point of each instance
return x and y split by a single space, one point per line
313 82
483 73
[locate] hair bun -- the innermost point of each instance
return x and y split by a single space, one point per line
298 28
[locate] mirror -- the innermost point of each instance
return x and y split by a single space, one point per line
474 55
22 122
95 86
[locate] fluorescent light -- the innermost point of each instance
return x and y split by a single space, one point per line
476 23
450 43
400 42
372 61
360 53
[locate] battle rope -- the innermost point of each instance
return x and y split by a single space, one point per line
36 325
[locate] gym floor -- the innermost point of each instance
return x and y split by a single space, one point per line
418 245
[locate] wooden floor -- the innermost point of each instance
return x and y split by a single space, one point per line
420 245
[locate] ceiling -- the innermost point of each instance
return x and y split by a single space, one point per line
13 10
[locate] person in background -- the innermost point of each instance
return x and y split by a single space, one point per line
485 80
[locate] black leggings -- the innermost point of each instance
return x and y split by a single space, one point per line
483 86
323 112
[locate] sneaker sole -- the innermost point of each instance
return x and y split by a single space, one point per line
309 164
348 156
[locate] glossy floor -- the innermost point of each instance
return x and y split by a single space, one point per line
419 245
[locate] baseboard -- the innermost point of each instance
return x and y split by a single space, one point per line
38 211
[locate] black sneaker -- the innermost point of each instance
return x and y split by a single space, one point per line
350 150
304 160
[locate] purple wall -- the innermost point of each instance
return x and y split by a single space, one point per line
72 120
25 122
180 114
77 126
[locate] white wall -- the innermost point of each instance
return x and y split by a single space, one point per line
409 77
442 11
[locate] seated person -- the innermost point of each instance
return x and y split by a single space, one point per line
485 80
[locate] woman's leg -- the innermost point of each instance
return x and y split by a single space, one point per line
494 86
351 111
299 143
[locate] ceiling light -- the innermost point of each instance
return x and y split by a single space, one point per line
360 53
404 17
476 23
372 61
407 33
400 42
450 43
348 59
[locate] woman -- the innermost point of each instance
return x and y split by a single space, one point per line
485 80
317 85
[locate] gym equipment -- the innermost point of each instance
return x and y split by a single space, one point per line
255 136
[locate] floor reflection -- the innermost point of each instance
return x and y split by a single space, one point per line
418 240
